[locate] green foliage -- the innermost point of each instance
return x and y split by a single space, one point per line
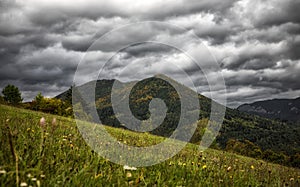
38 101
12 95
51 105
295 160
67 95
279 158
2 101
80 113
66 159
248 148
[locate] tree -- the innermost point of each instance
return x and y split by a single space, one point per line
68 97
12 94
52 105
38 101
2 101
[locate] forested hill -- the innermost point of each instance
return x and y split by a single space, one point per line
241 132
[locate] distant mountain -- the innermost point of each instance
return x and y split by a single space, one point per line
241 132
282 109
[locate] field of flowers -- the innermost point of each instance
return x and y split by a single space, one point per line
38 149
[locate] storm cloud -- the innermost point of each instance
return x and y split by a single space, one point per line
256 43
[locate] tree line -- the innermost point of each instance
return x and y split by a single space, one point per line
12 96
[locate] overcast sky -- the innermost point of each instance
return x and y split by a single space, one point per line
255 42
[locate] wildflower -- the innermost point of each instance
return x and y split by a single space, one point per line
128 175
54 121
38 183
2 172
130 183
33 179
23 184
129 168
29 175
42 122
43 176
204 167
53 124
229 168
215 159
252 167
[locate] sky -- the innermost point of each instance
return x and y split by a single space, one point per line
256 44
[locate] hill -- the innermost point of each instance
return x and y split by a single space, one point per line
56 155
240 132
281 109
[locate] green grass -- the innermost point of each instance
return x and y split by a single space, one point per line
60 157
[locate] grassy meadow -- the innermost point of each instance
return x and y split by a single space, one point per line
57 155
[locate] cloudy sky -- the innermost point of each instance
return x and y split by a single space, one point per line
255 42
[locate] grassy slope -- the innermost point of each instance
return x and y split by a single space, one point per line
67 160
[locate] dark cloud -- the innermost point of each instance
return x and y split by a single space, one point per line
256 42
55 11
281 12
48 67
148 48
293 48
78 43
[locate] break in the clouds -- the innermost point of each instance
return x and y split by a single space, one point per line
255 42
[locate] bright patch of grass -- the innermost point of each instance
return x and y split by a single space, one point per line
58 156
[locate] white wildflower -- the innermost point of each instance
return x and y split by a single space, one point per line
2 172
42 122
23 184
54 121
129 168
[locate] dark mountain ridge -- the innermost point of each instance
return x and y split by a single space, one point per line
280 109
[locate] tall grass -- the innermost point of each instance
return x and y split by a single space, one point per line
56 155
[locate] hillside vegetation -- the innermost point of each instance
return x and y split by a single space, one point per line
56 155
243 133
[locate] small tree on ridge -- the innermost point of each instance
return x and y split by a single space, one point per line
12 95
